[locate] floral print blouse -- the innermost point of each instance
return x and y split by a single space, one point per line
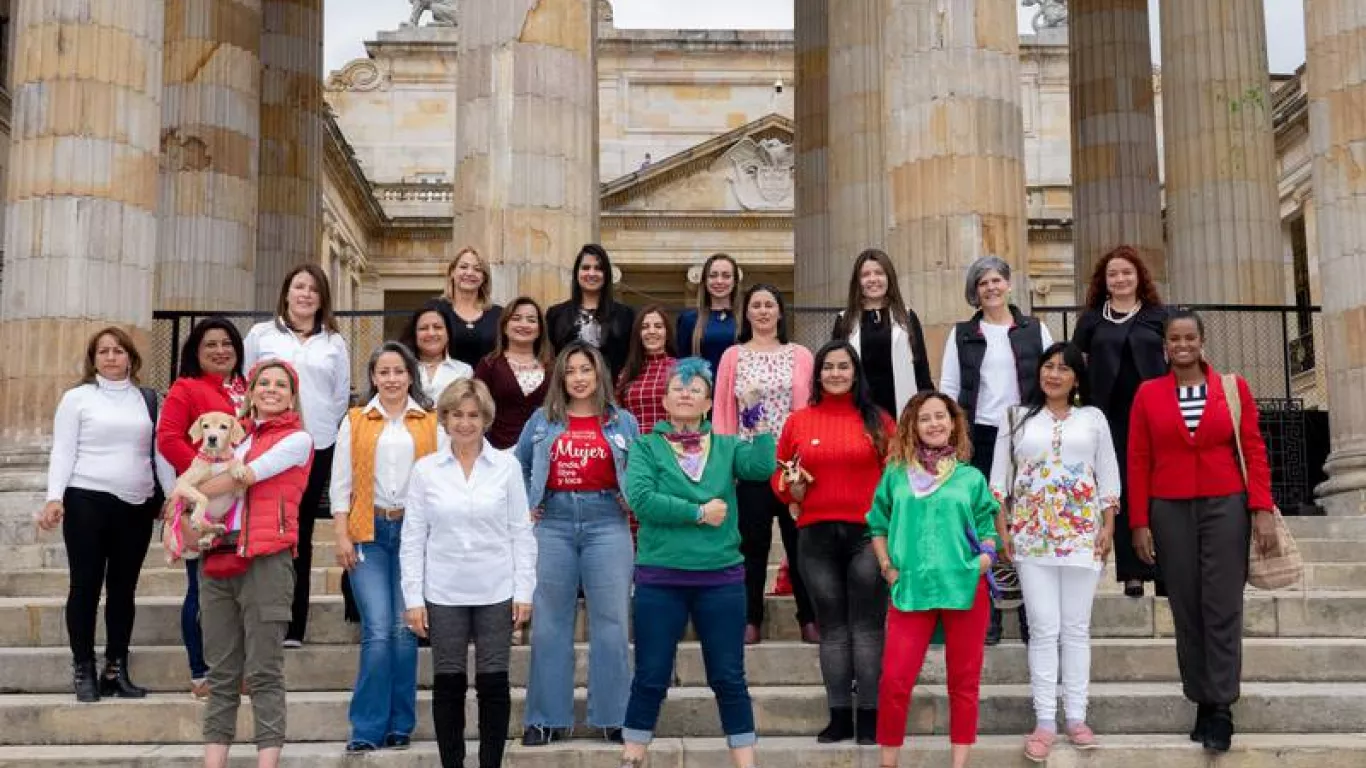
1065 477
766 376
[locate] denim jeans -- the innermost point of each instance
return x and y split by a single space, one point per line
718 614
850 598
583 539
190 632
384 700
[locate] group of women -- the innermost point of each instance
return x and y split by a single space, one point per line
457 520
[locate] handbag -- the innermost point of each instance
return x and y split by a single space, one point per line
1008 593
1283 566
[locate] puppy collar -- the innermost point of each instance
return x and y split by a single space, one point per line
202 456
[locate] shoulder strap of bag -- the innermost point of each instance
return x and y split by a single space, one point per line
1010 424
1233 396
149 399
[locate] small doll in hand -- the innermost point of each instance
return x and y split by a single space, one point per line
751 411
978 547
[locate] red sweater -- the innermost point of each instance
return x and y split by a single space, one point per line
1167 462
187 400
838 452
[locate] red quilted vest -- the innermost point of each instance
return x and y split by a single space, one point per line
272 521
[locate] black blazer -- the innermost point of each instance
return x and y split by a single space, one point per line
562 324
1103 360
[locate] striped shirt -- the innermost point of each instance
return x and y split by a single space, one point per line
1192 402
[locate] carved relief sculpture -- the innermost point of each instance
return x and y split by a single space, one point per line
1051 13
761 174
443 13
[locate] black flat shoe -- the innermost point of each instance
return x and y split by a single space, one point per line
356 747
1219 732
1202 713
841 727
1133 589
539 735
395 741
612 735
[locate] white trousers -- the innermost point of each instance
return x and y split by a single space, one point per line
1058 602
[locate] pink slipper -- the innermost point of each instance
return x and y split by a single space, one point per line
1082 737
1038 745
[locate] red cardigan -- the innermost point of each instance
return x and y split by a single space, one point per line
187 400
838 452
1167 462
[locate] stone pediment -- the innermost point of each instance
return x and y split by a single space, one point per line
746 170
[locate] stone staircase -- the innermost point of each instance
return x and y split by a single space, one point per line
1303 706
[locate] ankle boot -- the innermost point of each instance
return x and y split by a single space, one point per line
841 727
495 707
84 681
1202 713
865 729
1219 732
448 718
114 682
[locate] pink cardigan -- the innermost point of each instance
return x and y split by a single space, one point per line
725 414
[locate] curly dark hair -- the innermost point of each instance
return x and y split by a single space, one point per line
1097 293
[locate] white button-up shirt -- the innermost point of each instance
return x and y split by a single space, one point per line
324 368
467 540
450 370
394 453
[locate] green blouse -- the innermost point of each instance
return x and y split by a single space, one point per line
927 538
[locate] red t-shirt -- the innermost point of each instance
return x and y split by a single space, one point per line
581 459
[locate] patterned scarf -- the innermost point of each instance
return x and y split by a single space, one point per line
690 450
930 468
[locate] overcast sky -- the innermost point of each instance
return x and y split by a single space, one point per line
351 21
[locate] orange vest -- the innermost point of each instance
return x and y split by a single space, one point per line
366 427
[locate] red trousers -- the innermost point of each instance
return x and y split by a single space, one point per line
908 638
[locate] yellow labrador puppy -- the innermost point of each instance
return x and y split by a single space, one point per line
216 433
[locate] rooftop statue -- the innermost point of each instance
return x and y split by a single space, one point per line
443 13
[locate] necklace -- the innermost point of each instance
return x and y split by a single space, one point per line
1108 312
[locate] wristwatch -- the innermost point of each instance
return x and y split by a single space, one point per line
701 513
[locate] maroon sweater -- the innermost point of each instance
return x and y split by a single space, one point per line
511 407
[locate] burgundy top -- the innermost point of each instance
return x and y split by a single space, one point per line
511 407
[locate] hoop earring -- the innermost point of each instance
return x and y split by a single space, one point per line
1076 397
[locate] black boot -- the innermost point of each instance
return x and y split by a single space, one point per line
1219 732
1024 625
448 718
1202 713
495 708
84 682
994 628
114 682
841 727
866 728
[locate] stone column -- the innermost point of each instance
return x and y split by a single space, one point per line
526 137
1116 193
1224 240
81 200
856 165
955 150
210 139
812 260
289 224
1337 127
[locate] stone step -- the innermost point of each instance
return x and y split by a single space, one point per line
1256 750
161 581
39 621
1113 660
1323 527
690 712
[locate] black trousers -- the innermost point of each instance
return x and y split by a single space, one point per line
311 506
1202 546
106 541
850 598
758 508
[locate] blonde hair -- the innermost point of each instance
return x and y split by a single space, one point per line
249 409
485 288
459 391
902 448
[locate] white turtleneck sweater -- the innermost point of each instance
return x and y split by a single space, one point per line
102 441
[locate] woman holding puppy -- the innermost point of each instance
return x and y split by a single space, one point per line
210 380
100 485
246 586
468 561
305 335
376 448
837 447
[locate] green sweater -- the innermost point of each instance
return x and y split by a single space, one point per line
927 537
665 500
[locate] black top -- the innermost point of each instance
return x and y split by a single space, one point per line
472 341
1108 346
613 331
875 349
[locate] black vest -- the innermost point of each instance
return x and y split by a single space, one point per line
1026 342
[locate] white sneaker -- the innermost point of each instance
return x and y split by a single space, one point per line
294 643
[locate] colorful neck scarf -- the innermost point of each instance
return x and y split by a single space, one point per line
930 468
690 450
